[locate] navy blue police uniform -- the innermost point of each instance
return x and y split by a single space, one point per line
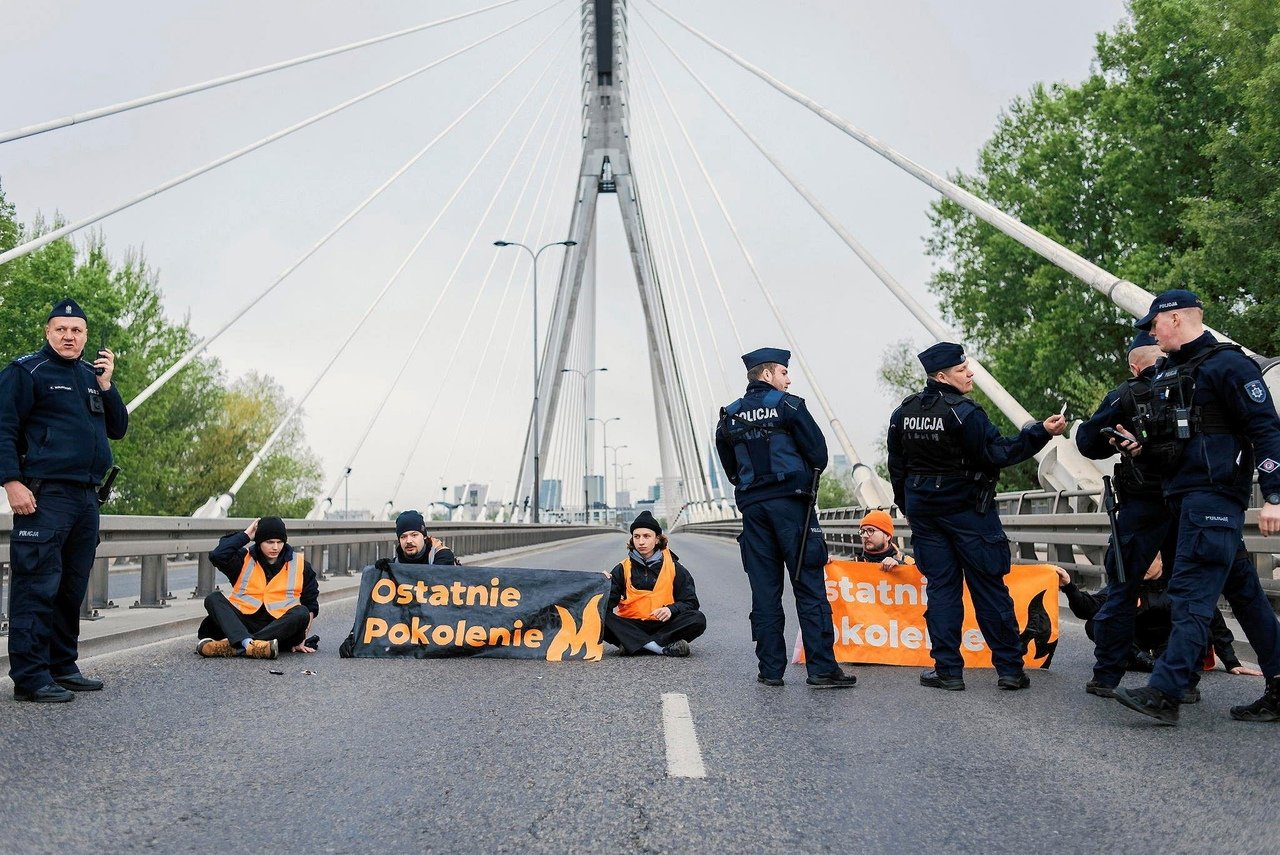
770 447
1210 400
944 459
55 424
1143 522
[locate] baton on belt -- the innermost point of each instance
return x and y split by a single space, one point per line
1109 505
804 535
104 491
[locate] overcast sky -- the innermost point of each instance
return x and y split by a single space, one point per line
929 78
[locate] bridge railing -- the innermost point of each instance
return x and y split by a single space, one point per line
152 545
1058 527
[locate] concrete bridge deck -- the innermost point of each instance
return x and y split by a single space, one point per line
184 754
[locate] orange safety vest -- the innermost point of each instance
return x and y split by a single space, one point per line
252 590
640 605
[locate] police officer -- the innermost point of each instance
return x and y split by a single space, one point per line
1209 400
1143 523
56 414
944 459
771 450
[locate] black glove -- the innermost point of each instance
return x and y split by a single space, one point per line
383 565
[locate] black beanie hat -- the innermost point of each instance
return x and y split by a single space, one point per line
410 521
646 520
270 528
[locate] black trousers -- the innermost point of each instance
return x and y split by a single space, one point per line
227 621
632 635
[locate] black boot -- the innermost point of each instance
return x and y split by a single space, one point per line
1266 708
1149 701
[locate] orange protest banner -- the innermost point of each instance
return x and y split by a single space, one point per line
879 616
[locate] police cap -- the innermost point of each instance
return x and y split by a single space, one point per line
67 308
1142 339
941 356
1167 301
766 354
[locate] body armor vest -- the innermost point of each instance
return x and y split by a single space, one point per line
929 448
1141 475
1172 417
762 442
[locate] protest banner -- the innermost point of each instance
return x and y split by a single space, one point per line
878 615
426 611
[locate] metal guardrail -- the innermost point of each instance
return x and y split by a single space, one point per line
332 547
1063 528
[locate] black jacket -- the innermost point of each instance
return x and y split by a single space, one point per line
228 556
55 422
645 576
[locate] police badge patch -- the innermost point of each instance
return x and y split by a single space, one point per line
1268 466
1256 391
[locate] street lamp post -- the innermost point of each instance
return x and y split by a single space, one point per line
346 494
537 468
604 462
616 448
586 449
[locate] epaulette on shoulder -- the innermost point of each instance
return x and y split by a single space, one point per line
30 361
795 401
955 399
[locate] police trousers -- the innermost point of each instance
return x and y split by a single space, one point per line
770 540
632 634
1211 562
958 549
1145 528
51 553
227 621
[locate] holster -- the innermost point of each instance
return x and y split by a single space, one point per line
986 494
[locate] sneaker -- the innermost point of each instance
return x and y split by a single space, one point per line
263 649
835 680
680 647
769 681
1102 690
1151 702
215 647
1190 696
934 680
1013 682
1266 708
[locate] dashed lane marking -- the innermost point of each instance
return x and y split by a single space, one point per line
684 758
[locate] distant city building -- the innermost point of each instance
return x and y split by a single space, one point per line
840 465
595 490
622 499
654 494
550 496
471 494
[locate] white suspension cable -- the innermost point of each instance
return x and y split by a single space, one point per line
874 489
229 496
54 234
1128 296
322 501
124 106
203 344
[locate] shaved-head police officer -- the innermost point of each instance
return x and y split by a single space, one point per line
770 448
1143 523
57 413
944 459
1209 400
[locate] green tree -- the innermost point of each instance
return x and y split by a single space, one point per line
834 492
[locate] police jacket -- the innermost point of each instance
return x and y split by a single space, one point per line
644 575
228 556
430 554
1135 476
1224 461
769 445
55 421
944 453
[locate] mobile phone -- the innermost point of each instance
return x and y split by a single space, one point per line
1118 436
102 345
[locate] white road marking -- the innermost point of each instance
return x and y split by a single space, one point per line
684 758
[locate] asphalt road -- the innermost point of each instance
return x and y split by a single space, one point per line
185 754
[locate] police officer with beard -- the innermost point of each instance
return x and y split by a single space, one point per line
1209 402
57 413
944 459
1143 523
771 448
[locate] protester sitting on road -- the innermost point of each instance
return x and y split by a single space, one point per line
273 600
653 607
1153 621
876 531
416 546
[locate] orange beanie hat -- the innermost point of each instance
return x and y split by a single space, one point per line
880 520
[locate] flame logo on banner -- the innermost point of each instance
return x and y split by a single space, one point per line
1038 630
572 638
